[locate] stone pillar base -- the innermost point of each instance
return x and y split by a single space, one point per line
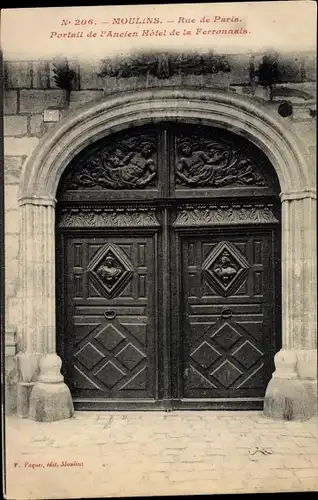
50 399
50 402
23 397
288 400
287 396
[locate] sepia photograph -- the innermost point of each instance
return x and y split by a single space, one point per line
160 330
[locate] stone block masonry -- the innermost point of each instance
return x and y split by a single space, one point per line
10 106
16 126
36 101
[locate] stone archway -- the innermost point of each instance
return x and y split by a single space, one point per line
289 394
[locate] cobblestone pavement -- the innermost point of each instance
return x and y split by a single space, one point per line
158 453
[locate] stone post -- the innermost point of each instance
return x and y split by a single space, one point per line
292 392
42 394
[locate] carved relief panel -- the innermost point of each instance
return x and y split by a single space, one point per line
168 160
205 158
123 161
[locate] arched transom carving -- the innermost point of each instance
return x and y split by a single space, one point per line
187 157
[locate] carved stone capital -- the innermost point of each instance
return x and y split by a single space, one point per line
298 195
48 201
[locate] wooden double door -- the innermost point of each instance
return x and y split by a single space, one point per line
168 316
168 275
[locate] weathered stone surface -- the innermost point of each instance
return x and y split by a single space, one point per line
41 74
50 402
10 370
12 169
14 146
12 281
84 96
37 126
36 101
51 399
11 197
15 125
89 79
23 398
287 400
12 246
12 224
13 310
18 75
10 102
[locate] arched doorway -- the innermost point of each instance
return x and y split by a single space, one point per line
294 381
168 251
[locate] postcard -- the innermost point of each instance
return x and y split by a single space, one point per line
160 250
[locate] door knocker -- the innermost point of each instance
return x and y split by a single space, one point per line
226 313
110 314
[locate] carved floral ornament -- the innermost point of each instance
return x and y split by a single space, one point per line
103 217
211 215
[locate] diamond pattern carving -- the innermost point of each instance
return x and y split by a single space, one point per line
89 356
110 374
130 356
111 270
226 373
110 337
247 354
205 355
225 268
226 336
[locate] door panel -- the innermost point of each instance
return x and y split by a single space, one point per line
228 315
166 278
110 337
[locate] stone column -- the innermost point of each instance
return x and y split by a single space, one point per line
42 394
292 392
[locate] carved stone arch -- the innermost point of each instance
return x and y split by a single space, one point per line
295 363
41 174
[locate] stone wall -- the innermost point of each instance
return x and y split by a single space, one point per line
31 88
